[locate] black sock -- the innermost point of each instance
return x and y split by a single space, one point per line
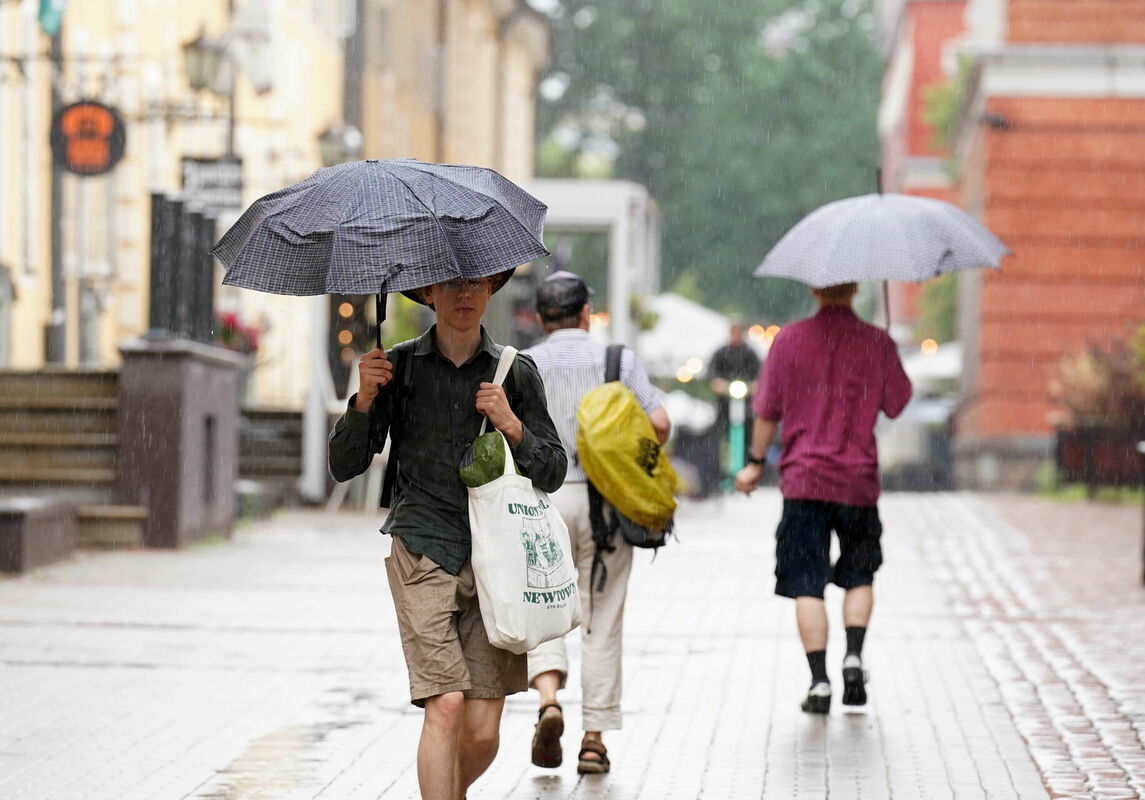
817 660
855 640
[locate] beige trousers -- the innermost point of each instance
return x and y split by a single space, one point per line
601 633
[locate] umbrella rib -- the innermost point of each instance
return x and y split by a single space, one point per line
436 221
501 205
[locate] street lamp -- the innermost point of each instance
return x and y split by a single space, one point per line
208 65
339 144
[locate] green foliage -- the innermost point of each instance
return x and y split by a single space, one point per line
942 109
586 254
405 320
740 117
942 105
938 309
1103 385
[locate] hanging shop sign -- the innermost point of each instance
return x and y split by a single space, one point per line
214 183
88 138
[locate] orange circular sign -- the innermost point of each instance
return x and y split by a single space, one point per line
88 138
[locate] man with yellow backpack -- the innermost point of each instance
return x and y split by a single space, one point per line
572 366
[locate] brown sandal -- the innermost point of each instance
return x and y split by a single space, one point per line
547 737
592 766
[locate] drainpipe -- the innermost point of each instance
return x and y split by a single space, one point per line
57 325
439 87
30 183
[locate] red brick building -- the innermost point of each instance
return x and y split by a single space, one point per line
1052 155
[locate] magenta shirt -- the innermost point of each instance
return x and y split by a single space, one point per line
826 378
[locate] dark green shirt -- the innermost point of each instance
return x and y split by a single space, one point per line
431 514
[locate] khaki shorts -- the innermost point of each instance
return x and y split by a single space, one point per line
443 636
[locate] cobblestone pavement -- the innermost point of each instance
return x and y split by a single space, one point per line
1006 657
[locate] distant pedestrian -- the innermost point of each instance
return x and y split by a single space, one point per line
455 674
734 361
827 378
571 364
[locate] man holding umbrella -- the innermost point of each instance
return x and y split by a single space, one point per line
455 674
827 378
448 236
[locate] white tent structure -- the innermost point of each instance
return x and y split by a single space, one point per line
684 330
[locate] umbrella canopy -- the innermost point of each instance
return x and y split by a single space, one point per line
368 227
881 237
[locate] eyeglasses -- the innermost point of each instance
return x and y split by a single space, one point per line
461 285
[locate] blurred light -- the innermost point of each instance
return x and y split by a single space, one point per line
756 333
737 389
346 310
598 320
347 355
683 375
773 330
694 365
928 347
345 337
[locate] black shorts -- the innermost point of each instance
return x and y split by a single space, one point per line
803 547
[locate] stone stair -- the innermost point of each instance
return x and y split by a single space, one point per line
58 437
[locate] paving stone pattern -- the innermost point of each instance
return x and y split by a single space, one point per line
1005 655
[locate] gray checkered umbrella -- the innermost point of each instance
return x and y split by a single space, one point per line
370 227
881 237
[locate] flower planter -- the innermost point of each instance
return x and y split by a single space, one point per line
1097 455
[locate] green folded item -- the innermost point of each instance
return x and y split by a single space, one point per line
484 460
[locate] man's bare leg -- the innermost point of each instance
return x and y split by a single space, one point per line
857 604
811 617
480 738
547 685
437 752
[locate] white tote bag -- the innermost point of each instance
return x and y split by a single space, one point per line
522 557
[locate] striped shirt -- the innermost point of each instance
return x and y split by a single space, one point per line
571 364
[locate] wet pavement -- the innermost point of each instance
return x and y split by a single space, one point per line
1006 656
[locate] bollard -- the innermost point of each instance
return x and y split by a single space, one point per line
737 414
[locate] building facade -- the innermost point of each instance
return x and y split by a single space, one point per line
440 80
1052 154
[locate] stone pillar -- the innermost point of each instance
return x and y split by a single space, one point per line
179 438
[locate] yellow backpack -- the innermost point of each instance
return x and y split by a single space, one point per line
622 457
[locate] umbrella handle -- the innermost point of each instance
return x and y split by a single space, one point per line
380 308
886 304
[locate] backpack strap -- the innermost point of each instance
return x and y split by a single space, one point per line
612 362
602 537
397 423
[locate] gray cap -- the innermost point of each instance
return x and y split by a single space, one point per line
562 294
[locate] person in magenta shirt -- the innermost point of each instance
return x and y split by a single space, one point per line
826 379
